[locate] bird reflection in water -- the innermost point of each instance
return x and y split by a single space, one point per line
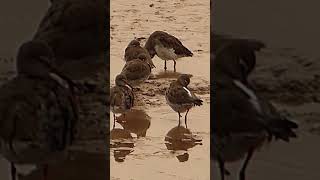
179 139
135 121
121 142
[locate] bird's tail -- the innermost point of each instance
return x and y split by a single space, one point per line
198 102
283 129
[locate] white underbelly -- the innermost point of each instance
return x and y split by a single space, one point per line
165 53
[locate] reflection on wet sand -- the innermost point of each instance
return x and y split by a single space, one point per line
136 121
179 139
121 143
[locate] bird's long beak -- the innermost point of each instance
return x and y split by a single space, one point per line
152 65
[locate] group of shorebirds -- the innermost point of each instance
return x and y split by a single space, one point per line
38 108
138 69
242 120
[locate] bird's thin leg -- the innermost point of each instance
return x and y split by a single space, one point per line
221 168
114 121
179 118
185 119
144 133
13 171
45 172
165 65
245 164
174 65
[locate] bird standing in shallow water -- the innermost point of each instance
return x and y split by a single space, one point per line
38 110
121 97
166 47
180 98
133 51
137 71
242 121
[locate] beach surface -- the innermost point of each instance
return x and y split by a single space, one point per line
189 21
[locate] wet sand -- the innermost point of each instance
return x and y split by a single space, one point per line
295 161
150 157
189 21
286 73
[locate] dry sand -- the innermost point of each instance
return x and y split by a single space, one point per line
189 21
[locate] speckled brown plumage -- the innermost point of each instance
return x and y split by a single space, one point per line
133 50
121 96
180 98
172 47
38 109
137 71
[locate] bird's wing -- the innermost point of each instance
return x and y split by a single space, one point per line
180 95
135 69
132 53
233 112
129 97
39 111
116 96
172 42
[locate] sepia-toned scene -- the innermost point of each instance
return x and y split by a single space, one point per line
53 89
266 73
160 90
